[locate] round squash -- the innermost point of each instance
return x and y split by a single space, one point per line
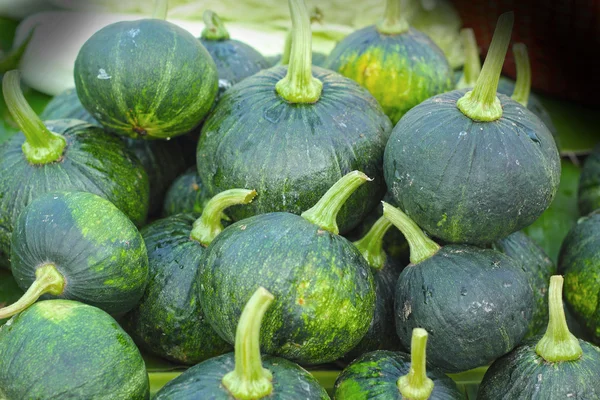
187 194
588 196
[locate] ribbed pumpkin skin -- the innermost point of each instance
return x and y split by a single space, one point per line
203 381
291 154
475 303
95 247
589 183
67 105
538 267
168 320
400 71
145 79
522 374
471 182
374 376
186 195
94 161
62 349
324 289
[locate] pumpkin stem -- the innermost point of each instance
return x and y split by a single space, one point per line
421 247
523 84
299 86
161 7
416 385
315 16
472 67
557 344
481 103
47 280
215 29
249 380
371 245
41 146
324 213
393 22
208 226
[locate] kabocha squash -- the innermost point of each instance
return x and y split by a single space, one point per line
146 79
399 65
186 195
475 303
394 375
78 246
291 132
588 195
63 155
66 105
168 320
473 167
554 366
324 289
60 349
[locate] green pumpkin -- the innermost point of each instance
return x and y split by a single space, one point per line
78 246
323 285
475 303
291 133
243 375
62 349
400 66
63 155
9 291
472 166
66 105
588 195
187 194
554 366
147 79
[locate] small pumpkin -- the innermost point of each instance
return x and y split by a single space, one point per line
588 194
186 195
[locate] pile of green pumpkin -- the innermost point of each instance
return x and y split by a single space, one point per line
264 245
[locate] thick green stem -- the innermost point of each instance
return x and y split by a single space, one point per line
47 280
416 385
371 245
557 344
324 213
393 23
299 86
208 226
249 380
41 146
472 67
161 8
421 247
287 49
481 103
523 84
214 27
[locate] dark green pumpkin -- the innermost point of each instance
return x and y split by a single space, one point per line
186 195
588 196
145 79
62 349
66 105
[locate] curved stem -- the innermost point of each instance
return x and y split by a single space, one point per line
472 67
161 8
371 245
47 280
416 385
481 103
557 344
41 146
523 84
209 225
249 380
324 213
393 23
299 86
214 27
421 247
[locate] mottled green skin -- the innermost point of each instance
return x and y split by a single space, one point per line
522 374
588 195
168 320
476 305
203 381
374 376
579 262
399 70
93 161
62 349
291 154
186 195
9 291
539 269
95 247
145 79
323 287
471 182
